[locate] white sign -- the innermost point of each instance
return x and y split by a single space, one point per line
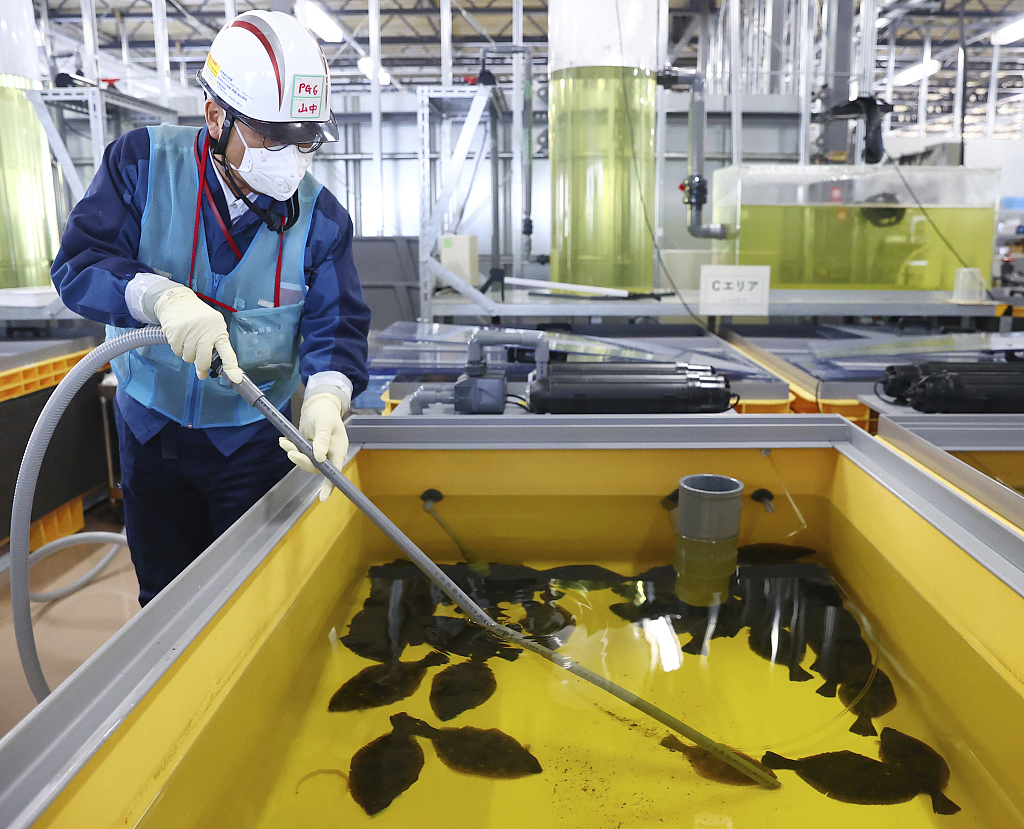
734 290
1006 342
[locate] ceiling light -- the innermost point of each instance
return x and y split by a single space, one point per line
365 65
1009 33
321 23
916 72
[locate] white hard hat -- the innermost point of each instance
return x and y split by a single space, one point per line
268 70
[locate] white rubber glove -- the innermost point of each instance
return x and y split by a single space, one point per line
320 423
194 330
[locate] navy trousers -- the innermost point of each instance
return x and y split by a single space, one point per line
181 493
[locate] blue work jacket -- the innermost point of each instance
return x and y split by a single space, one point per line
99 257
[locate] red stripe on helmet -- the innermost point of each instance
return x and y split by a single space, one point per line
249 27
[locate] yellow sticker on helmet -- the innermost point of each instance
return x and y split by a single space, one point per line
212 65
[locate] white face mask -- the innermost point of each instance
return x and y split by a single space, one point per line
274 173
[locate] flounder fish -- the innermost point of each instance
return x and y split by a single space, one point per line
380 685
461 687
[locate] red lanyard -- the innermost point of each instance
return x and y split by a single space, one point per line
205 188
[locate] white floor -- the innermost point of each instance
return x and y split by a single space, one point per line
68 631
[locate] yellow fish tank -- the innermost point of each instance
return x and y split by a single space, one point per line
864 656
831 227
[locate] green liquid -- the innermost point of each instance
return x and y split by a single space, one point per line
704 569
836 246
28 213
599 118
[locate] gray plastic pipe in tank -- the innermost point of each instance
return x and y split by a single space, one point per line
25 491
537 340
708 524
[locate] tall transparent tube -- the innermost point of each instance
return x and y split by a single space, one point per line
601 129
28 211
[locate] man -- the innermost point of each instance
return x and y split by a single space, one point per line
219 236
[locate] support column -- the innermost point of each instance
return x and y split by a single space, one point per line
806 29
736 81
659 140
958 94
866 81
89 41
163 55
516 183
777 27
922 94
446 42
229 11
890 74
993 91
839 40
376 125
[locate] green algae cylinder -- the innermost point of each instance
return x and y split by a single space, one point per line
601 126
28 212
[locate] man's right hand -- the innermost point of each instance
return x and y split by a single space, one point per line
194 330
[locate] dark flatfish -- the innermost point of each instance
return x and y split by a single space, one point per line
381 685
835 637
921 764
385 768
648 610
586 574
368 631
461 637
548 623
710 767
461 687
771 553
781 649
707 623
484 752
849 777
878 699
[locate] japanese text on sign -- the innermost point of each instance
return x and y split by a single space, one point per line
734 290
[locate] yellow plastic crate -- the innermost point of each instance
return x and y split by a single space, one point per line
63 521
780 406
16 382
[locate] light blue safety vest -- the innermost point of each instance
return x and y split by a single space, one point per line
154 375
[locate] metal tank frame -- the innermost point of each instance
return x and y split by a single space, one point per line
42 755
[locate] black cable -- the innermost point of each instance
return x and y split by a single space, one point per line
515 397
924 212
517 402
636 171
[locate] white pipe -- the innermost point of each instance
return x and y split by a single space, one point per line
446 42
377 130
993 91
736 81
922 94
90 51
163 54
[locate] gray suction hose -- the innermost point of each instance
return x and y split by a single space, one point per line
251 394
24 493
116 540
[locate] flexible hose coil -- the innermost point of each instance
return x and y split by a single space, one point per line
25 490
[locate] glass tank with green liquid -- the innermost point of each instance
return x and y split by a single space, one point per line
601 127
845 227
29 237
